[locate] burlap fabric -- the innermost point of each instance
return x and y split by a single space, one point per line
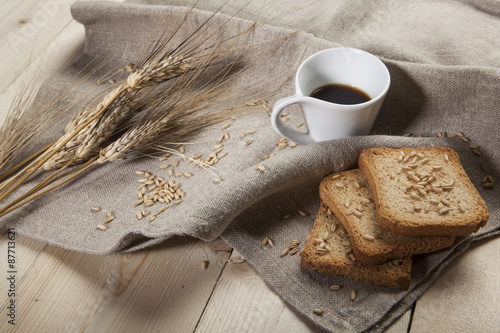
444 62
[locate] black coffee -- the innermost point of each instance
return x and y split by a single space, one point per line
340 94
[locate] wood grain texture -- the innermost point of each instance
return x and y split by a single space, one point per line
466 297
145 291
242 302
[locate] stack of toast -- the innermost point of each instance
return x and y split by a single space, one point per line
400 202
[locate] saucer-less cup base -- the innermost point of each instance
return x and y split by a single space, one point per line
325 120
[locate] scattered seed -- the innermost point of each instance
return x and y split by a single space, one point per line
484 166
353 294
422 192
204 264
318 312
267 241
357 213
369 237
321 250
488 185
444 210
300 124
287 216
260 167
477 152
102 227
365 201
248 142
95 209
446 202
414 196
407 134
414 178
218 180
226 126
461 207
302 213
335 287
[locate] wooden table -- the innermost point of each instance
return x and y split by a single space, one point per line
165 288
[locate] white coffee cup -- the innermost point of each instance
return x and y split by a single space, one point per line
326 120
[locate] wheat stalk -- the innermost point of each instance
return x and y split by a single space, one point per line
150 117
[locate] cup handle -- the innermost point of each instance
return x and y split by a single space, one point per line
287 132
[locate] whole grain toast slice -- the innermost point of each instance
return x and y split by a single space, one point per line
328 250
350 198
422 191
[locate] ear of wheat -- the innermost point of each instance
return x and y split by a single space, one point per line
138 115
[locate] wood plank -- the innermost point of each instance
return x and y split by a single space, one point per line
20 43
242 302
163 286
402 324
33 48
466 297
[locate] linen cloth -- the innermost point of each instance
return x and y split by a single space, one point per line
444 62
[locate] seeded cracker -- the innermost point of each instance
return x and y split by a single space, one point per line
396 199
336 258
